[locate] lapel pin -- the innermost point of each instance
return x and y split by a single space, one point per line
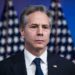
55 66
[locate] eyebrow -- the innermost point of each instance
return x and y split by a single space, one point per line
39 24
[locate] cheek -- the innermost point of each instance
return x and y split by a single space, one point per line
47 34
29 35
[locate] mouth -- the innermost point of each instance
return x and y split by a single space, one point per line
39 41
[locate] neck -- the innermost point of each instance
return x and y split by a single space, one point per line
36 51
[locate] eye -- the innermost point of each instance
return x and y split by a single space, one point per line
46 26
34 26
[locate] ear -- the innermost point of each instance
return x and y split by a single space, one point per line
22 32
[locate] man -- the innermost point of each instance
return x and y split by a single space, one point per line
35 28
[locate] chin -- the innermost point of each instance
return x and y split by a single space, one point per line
40 47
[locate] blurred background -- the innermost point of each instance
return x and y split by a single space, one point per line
68 7
62 39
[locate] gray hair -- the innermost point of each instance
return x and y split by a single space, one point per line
32 9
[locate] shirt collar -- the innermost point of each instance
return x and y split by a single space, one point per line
44 57
29 57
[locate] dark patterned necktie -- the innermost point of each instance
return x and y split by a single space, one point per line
38 66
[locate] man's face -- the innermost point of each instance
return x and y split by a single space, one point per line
37 30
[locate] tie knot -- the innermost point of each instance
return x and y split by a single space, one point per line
37 61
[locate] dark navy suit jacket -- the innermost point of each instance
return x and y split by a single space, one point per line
15 65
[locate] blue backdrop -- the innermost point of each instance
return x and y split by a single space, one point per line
68 7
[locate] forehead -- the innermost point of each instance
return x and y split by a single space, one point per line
37 13
38 16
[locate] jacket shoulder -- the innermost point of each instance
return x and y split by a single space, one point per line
13 58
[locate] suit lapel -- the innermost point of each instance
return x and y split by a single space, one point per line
52 66
18 65
49 64
55 65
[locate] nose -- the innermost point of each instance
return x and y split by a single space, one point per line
40 31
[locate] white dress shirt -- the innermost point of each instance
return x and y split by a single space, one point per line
30 66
